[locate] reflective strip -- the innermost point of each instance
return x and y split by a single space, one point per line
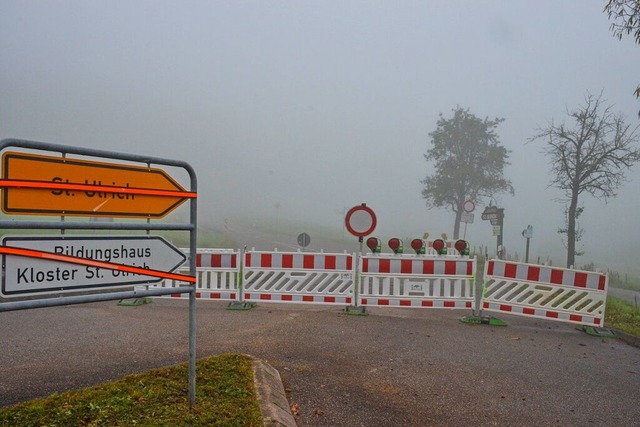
216 260
541 313
298 261
390 302
297 298
439 267
547 275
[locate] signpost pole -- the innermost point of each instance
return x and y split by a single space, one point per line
527 233
193 247
500 250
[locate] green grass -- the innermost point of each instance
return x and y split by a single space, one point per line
622 315
225 396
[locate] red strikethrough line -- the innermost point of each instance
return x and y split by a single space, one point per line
45 185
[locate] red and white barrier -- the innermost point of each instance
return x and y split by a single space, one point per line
217 274
545 292
417 281
298 277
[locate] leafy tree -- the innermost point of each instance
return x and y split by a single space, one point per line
469 163
590 156
626 20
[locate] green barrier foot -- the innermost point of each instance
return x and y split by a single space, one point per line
241 305
483 320
134 302
596 332
352 310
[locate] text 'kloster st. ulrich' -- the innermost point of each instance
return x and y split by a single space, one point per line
121 255
90 194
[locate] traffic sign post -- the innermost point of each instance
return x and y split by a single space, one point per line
360 222
495 215
46 185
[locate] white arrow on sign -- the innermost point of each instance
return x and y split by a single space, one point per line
27 275
490 216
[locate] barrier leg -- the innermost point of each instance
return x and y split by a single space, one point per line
355 309
482 320
596 332
241 305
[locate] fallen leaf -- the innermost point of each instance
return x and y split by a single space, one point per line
319 412
295 409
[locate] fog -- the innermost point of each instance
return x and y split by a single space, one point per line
315 107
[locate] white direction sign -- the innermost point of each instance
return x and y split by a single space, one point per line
490 216
32 275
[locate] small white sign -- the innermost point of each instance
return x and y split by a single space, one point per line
467 218
496 230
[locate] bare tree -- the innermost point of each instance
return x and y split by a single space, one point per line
590 156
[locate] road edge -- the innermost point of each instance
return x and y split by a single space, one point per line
272 399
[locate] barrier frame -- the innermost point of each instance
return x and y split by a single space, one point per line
298 277
544 292
417 281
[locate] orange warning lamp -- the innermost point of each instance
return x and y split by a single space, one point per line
374 244
439 246
396 245
418 246
462 246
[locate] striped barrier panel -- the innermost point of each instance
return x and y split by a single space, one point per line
545 292
217 274
417 281
298 277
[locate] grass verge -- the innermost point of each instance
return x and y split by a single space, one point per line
622 315
225 396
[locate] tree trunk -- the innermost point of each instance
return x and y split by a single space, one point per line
456 224
571 230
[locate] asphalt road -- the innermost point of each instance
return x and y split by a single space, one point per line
395 367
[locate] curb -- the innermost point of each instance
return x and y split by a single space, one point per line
272 399
627 338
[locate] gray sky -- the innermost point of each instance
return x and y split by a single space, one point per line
324 105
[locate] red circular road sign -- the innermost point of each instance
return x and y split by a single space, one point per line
360 220
468 206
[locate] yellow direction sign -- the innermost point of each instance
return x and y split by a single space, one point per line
45 185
